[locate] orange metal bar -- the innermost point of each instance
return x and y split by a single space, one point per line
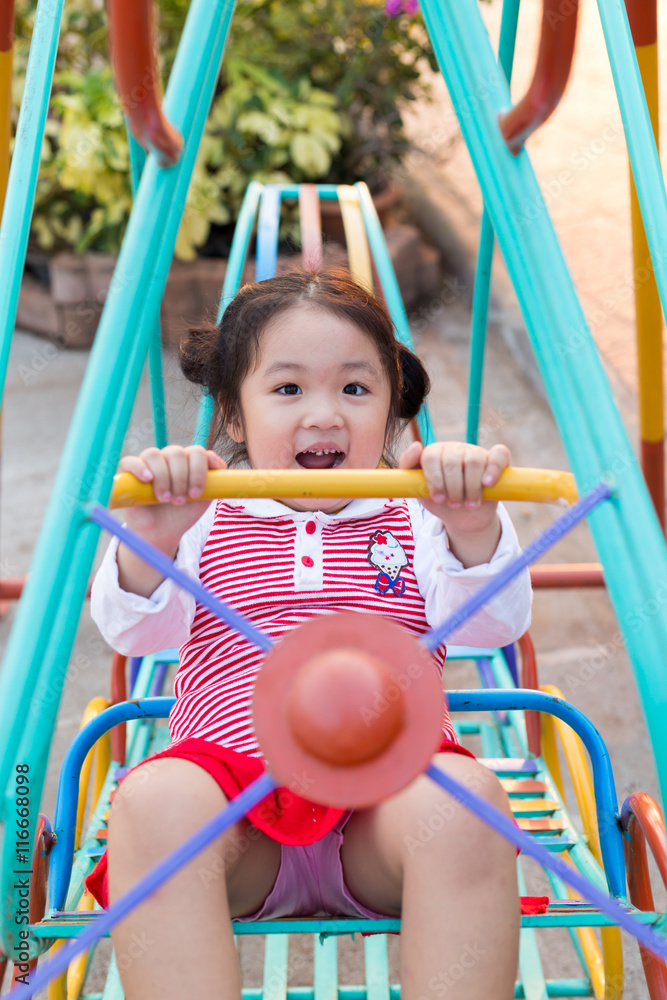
133 40
529 679
567 575
554 59
642 821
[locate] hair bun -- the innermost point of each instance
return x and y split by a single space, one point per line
415 383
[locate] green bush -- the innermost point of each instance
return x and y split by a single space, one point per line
309 91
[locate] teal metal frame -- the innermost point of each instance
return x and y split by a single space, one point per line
626 532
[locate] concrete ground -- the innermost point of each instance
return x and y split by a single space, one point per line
575 632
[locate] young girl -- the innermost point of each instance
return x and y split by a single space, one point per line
307 374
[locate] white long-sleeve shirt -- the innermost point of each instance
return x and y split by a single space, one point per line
280 567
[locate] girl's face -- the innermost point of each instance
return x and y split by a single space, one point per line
318 398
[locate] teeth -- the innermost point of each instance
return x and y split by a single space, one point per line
321 451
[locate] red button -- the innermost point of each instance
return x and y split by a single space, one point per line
311 527
307 561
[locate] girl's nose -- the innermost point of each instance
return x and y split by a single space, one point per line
323 413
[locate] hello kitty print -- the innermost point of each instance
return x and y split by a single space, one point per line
386 554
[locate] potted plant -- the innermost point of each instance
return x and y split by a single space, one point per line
308 92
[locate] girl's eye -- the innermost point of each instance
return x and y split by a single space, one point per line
355 389
289 390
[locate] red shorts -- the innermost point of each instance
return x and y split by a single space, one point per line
284 816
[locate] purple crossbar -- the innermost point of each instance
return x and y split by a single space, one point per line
159 561
233 811
542 544
646 935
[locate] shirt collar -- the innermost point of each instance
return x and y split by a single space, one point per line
361 507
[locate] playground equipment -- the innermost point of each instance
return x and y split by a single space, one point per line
625 529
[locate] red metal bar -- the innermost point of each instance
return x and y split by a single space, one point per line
44 841
567 575
643 18
529 679
11 588
653 466
133 40
118 693
6 25
554 59
311 227
642 821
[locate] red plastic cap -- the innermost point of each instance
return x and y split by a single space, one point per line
332 706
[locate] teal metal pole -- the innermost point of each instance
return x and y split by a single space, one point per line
480 301
155 376
22 183
626 531
390 289
233 276
88 464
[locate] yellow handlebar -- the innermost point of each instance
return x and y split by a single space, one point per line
537 485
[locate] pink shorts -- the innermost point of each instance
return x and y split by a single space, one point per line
310 882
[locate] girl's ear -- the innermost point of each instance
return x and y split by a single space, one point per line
234 427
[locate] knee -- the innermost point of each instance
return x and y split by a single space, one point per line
164 795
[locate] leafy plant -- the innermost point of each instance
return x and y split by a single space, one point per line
309 91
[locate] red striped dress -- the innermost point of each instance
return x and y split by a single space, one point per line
280 576
280 567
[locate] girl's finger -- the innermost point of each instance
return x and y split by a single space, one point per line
214 460
451 460
135 465
498 460
432 467
474 466
411 456
179 471
159 469
197 467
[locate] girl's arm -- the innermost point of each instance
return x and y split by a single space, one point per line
135 625
462 540
446 584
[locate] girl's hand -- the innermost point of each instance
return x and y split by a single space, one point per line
455 474
177 474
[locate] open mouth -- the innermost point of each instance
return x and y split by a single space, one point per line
322 458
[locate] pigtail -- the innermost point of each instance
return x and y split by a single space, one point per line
415 383
200 356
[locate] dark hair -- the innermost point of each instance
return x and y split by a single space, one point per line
219 357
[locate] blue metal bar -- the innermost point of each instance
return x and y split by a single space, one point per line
480 302
268 226
542 544
509 652
159 561
64 822
232 813
611 843
505 827
135 663
233 275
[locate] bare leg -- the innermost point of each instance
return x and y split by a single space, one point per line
453 879
179 943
